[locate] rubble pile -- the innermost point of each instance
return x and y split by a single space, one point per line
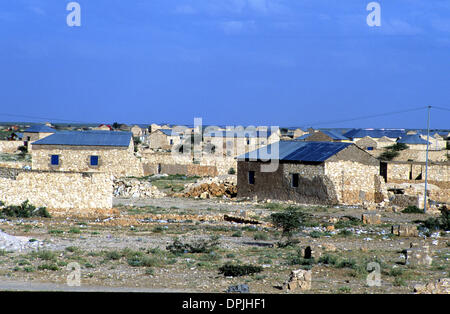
136 188
299 279
211 187
441 286
18 244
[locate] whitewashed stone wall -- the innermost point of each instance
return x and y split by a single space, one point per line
58 190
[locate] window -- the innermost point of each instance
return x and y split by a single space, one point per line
251 177
294 181
54 160
370 148
171 142
94 161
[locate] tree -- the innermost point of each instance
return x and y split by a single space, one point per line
292 219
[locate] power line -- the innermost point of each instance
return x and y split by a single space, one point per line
40 118
440 108
368 116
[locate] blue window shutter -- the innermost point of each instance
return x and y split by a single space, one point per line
55 160
94 160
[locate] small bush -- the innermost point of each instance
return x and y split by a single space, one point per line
142 261
237 234
72 249
74 230
412 210
55 231
291 220
328 259
52 267
345 233
231 171
239 270
113 255
46 255
440 223
24 210
260 236
199 246
346 263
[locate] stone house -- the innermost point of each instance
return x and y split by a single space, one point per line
311 172
164 139
103 127
236 142
414 142
368 143
323 136
110 152
37 132
358 134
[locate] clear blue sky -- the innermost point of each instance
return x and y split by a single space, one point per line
260 62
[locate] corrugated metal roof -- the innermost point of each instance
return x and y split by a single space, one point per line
297 151
169 132
375 133
87 138
238 134
40 128
332 134
412 139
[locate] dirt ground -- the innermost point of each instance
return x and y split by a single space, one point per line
126 249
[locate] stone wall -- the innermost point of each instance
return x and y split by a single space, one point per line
208 165
415 155
10 146
411 171
356 183
58 190
118 161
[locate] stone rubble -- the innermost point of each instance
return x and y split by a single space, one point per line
299 279
212 187
441 286
418 255
136 189
18 244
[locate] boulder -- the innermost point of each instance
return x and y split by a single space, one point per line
299 279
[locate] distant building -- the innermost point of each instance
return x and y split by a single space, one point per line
110 152
323 136
312 172
357 134
103 127
164 139
37 132
413 141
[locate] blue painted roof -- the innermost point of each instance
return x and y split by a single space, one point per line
40 128
412 139
238 134
297 151
375 133
169 132
332 134
87 138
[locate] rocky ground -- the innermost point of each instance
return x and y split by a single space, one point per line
126 248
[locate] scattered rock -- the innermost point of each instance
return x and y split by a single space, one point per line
441 286
418 255
299 279
211 187
136 188
405 230
238 289
371 219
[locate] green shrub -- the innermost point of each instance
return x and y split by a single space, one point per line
440 223
346 263
291 220
46 255
55 231
52 267
345 233
412 210
199 246
239 270
231 171
113 255
74 230
328 259
260 236
237 234
24 210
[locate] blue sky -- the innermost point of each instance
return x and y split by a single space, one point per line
236 62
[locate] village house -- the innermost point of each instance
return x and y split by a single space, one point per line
414 142
369 144
103 127
37 132
311 172
109 152
235 142
377 134
323 136
164 139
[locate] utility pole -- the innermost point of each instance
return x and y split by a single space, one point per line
426 163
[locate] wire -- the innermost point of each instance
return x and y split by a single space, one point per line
367 117
38 118
440 108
